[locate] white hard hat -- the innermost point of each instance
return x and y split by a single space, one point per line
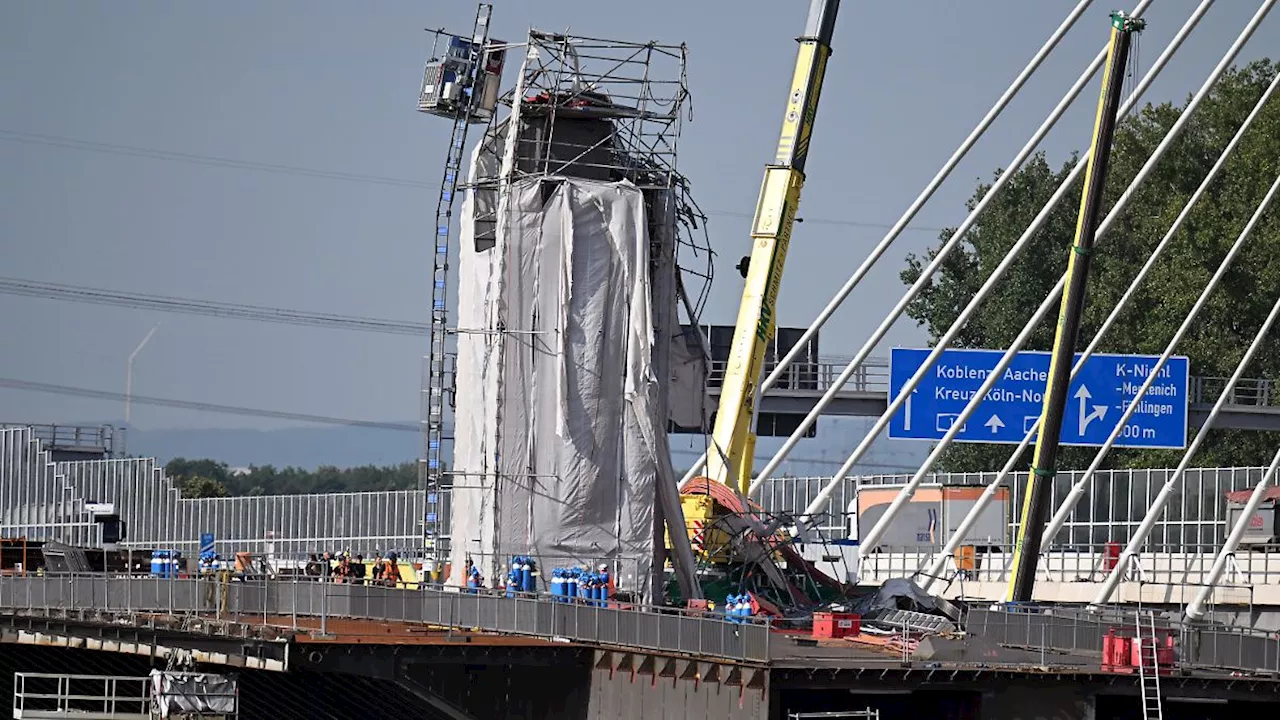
604 566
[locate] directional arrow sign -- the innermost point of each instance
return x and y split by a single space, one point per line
1098 397
995 424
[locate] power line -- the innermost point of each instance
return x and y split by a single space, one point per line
201 406
165 303
28 138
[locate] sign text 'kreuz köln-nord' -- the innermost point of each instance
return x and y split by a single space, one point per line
1097 398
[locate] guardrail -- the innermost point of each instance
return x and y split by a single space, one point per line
1072 637
873 376
1186 565
271 601
1066 630
102 438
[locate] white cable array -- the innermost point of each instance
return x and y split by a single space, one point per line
904 496
962 531
917 205
1078 489
934 265
1162 498
1195 610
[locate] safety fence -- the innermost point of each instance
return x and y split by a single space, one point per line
274 602
1078 632
1062 636
1182 565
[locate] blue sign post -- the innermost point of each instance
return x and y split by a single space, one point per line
1097 398
206 543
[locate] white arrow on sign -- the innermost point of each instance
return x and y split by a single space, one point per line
1099 411
995 423
906 418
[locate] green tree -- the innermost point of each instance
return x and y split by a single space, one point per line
199 486
182 468
210 478
1225 326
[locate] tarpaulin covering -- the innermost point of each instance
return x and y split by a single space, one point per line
559 422
174 694
900 594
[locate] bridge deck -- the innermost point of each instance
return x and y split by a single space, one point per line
1059 639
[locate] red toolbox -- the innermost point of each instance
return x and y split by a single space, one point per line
836 625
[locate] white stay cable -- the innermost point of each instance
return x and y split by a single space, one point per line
939 258
1078 489
1162 499
962 531
1195 610
904 496
917 205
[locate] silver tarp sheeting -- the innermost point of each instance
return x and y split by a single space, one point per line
560 427
175 694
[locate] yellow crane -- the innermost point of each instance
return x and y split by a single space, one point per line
733 442
1037 498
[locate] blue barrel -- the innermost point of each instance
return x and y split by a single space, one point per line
513 579
525 576
557 584
531 575
731 608
584 586
164 563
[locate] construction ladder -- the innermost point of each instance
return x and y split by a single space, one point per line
437 372
1148 667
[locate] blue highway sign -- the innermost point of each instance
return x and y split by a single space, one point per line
1096 400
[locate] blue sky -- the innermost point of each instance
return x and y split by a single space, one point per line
332 86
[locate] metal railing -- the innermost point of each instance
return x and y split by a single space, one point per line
1059 636
873 377
45 695
1066 636
107 439
1249 392
1178 565
283 602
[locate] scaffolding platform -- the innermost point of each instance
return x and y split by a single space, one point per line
47 696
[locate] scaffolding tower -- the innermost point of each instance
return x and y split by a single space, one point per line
596 110
461 84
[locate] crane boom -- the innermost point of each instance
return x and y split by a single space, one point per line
1037 498
733 442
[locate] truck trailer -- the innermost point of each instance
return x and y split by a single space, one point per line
932 515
